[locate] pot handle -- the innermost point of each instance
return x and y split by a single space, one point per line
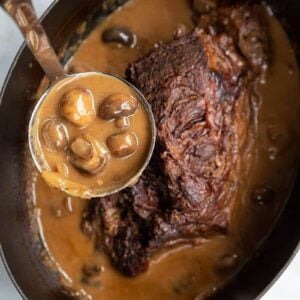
36 38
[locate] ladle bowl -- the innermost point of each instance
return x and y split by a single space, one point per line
36 147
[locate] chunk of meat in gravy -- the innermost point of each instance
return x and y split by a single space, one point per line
200 96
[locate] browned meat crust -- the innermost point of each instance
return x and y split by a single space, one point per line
199 86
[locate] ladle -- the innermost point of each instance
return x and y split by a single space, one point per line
23 14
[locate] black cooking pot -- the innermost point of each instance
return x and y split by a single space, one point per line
20 253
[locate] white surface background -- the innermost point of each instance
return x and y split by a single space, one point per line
286 288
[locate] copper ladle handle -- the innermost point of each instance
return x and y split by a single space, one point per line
35 36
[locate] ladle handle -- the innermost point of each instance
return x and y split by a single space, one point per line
36 38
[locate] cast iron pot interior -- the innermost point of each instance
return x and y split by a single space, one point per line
20 253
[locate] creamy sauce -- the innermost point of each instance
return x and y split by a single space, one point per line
189 271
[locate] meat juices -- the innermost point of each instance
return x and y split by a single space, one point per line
198 264
87 149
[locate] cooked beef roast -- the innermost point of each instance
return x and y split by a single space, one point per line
199 86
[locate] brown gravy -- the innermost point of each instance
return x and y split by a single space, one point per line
109 161
188 272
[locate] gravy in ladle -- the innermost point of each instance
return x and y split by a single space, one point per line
94 133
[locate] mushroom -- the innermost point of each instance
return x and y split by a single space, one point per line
86 156
228 262
118 106
122 144
119 35
263 195
77 107
54 135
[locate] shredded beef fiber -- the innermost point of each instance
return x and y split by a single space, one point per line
199 87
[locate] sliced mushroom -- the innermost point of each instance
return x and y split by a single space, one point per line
85 155
54 135
118 106
122 144
77 107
